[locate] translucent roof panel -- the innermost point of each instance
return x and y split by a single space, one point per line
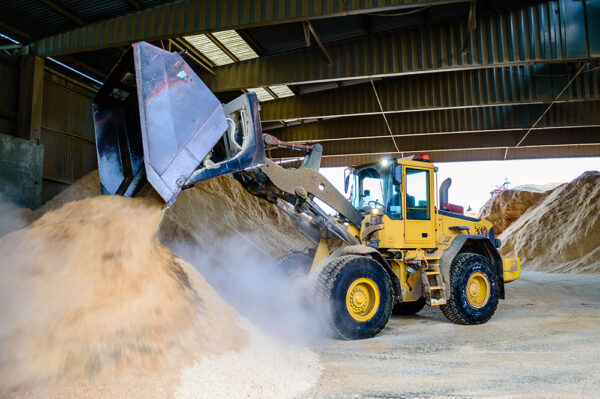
281 91
234 43
262 94
209 49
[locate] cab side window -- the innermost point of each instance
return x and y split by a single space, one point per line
417 194
394 206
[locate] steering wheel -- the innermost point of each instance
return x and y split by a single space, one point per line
375 203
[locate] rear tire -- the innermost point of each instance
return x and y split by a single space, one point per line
473 290
355 293
409 308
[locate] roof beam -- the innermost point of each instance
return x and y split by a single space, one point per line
520 36
450 121
181 47
135 4
457 89
184 43
472 140
191 17
63 12
223 48
9 29
480 154
310 30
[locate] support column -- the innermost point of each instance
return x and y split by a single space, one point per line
31 92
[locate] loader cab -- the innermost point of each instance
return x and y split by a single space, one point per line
399 194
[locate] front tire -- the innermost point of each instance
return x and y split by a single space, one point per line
473 290
355 293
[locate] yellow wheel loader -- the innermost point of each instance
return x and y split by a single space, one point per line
394 246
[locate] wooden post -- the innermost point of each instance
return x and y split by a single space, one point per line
31 92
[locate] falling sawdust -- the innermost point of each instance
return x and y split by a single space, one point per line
560 233
219 209
93 305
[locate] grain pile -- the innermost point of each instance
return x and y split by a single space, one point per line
214 209
508 206
219 209
94 305
560 233
88 293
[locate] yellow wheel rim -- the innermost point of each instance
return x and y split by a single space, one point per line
362 299
478 290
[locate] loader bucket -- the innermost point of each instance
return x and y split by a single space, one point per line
157 122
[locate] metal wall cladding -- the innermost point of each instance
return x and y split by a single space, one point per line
9 96
193 16
67 158
51 188
67 111
550 31
487 154
67 135
456 89
448 121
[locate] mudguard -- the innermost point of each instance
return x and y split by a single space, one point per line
477 244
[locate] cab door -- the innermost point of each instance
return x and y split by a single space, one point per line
418 218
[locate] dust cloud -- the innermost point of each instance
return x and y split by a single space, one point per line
12 216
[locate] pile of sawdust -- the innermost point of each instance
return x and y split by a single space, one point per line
560 233
88 293
218 208
94 305
508 206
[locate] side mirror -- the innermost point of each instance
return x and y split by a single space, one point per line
397 175
347 173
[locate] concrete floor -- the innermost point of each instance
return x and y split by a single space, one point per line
543 341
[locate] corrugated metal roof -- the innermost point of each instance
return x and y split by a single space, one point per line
282 91
209 49
234 43
93 10
279 38
33 17
261 93
334 29
39 20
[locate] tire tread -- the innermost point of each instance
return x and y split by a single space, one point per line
451 310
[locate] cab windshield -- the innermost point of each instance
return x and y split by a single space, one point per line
371 186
